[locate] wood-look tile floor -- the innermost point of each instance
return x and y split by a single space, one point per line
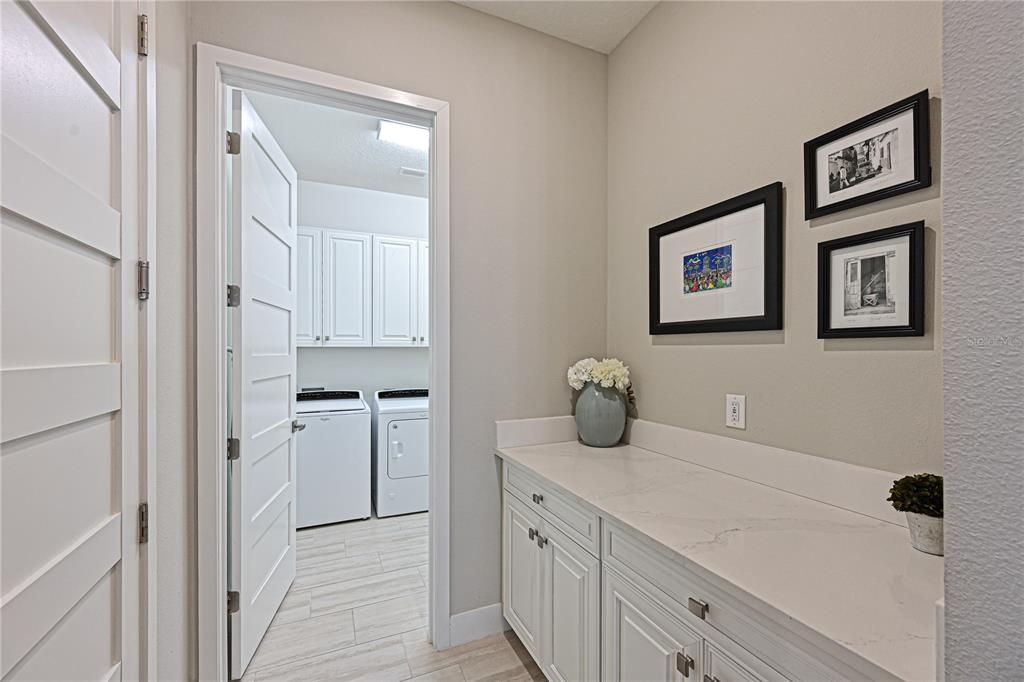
358 611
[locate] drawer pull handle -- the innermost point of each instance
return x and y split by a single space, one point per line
684 663
537 498
698 608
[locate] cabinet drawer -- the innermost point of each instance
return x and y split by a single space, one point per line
569 516
661 572
721 667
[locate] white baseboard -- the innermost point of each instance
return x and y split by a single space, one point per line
469 626
515 433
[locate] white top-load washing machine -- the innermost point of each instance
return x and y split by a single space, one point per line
401 451
332 457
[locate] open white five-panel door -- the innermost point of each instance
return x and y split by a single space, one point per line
262 478
73 533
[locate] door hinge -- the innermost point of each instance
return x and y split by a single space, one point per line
143 280
233 601
143 523
234 449
234 295
234 143
143 35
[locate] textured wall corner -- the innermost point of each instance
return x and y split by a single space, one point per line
983 364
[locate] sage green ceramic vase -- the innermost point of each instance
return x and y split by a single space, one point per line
600 415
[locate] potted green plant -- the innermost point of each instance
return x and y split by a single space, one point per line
920 496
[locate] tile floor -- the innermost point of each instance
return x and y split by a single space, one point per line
358 611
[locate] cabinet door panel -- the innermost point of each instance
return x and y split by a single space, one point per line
423 293
521 569
347 305
394 291
641 641
572 602
308 256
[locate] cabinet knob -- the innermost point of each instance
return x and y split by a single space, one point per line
533 534
541 541
684 663
698 608
317 337
537 498
327 338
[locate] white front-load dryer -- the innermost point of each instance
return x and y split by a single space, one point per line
401 451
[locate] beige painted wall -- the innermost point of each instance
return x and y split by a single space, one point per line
709 100
528 235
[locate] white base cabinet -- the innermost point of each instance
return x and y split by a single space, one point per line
580 596
551 594
643 641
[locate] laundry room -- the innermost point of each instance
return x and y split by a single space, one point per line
357 186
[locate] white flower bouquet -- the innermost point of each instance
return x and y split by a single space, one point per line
608 373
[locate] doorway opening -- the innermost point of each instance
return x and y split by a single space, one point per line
327 366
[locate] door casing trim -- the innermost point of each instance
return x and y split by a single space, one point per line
217 67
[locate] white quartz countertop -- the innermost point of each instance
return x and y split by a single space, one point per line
853 580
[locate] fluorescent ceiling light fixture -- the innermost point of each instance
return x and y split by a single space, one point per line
404 134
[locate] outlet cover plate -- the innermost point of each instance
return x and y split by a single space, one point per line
736 411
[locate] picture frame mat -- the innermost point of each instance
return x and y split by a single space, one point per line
903 123
744 229
900 284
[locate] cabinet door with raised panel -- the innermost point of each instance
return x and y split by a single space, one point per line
347 300
395 261
308 261
521 569
572 609
642 641
423 292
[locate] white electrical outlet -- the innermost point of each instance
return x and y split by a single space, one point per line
735 411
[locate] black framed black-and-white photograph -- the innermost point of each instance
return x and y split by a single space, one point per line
719 269
878 156
872 284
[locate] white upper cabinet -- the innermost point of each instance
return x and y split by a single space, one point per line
308 250
346 291
357 289
424 292
395 284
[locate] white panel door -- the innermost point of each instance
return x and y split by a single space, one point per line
347 299
394 291
521 569
262 515
642 641
69 429
308 310
423 292
572 609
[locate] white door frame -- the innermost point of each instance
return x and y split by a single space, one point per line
217 67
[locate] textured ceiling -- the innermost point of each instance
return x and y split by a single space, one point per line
339 147
601 26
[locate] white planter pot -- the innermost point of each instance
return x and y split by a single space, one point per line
925 533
